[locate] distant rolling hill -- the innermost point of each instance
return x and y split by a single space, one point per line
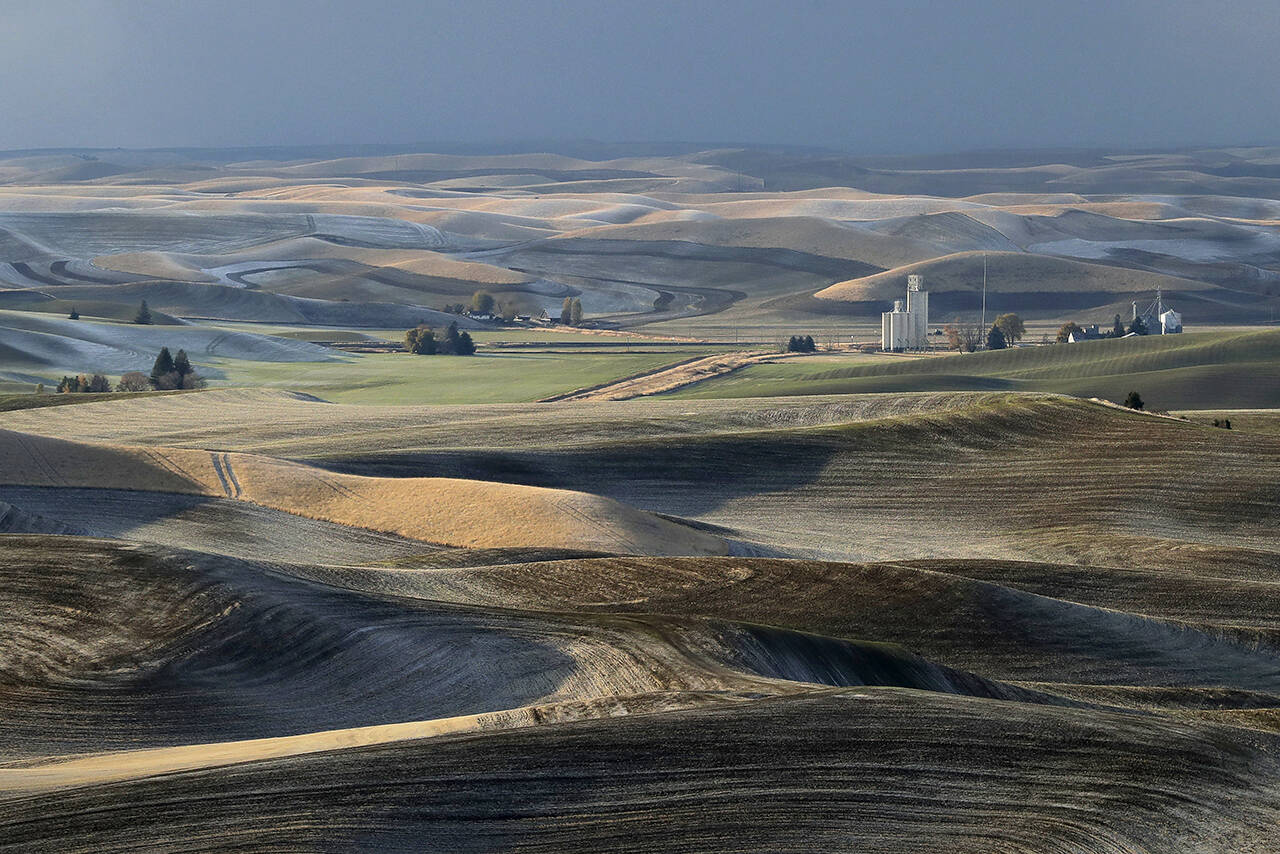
751 236
1020 282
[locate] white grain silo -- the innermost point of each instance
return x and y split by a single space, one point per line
907 326
918 308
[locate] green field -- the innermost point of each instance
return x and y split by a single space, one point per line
1236 369
398 378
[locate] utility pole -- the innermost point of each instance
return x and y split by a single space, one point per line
984 293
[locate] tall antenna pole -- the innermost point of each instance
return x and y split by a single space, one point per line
984 292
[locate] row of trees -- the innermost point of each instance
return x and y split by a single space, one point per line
421 341
81 384
168 373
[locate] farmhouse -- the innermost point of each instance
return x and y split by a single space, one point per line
1087 333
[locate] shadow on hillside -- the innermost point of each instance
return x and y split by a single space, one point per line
215 525
686 478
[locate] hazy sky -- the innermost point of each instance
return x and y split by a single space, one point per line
860 75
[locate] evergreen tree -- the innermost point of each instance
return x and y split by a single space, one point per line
182 365
809 345
162 368
793 344
1117 331
1138 327
995 338
144 314
566 311
575 312
98 383
449 346
74 315
456 343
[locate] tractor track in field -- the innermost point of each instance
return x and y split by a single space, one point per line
668 378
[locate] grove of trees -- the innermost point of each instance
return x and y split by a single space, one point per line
81 384
173 372
421 341
801 344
